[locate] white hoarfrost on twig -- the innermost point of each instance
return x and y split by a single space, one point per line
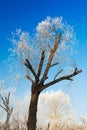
30 47
50 25
46 32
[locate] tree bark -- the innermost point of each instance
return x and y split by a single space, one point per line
32 118
7 125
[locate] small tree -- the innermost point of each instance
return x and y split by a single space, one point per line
48 48
7 109
54 106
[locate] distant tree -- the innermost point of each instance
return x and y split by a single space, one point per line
6 106
56 104
49 48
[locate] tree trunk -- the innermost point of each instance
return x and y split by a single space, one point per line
7 125
32 118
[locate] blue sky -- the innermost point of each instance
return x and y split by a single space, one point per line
25 14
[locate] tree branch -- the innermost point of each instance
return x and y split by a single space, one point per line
3 100
6 103
58 73
67 77
3 107
41 63
29 66
28 77
7 99
54 64
52 53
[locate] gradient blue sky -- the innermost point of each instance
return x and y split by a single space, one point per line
25 14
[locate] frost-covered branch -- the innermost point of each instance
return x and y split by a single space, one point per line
29 66
51 56
67 77
41 63
7 109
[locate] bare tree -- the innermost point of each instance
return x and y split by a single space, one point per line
8 110
46 50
